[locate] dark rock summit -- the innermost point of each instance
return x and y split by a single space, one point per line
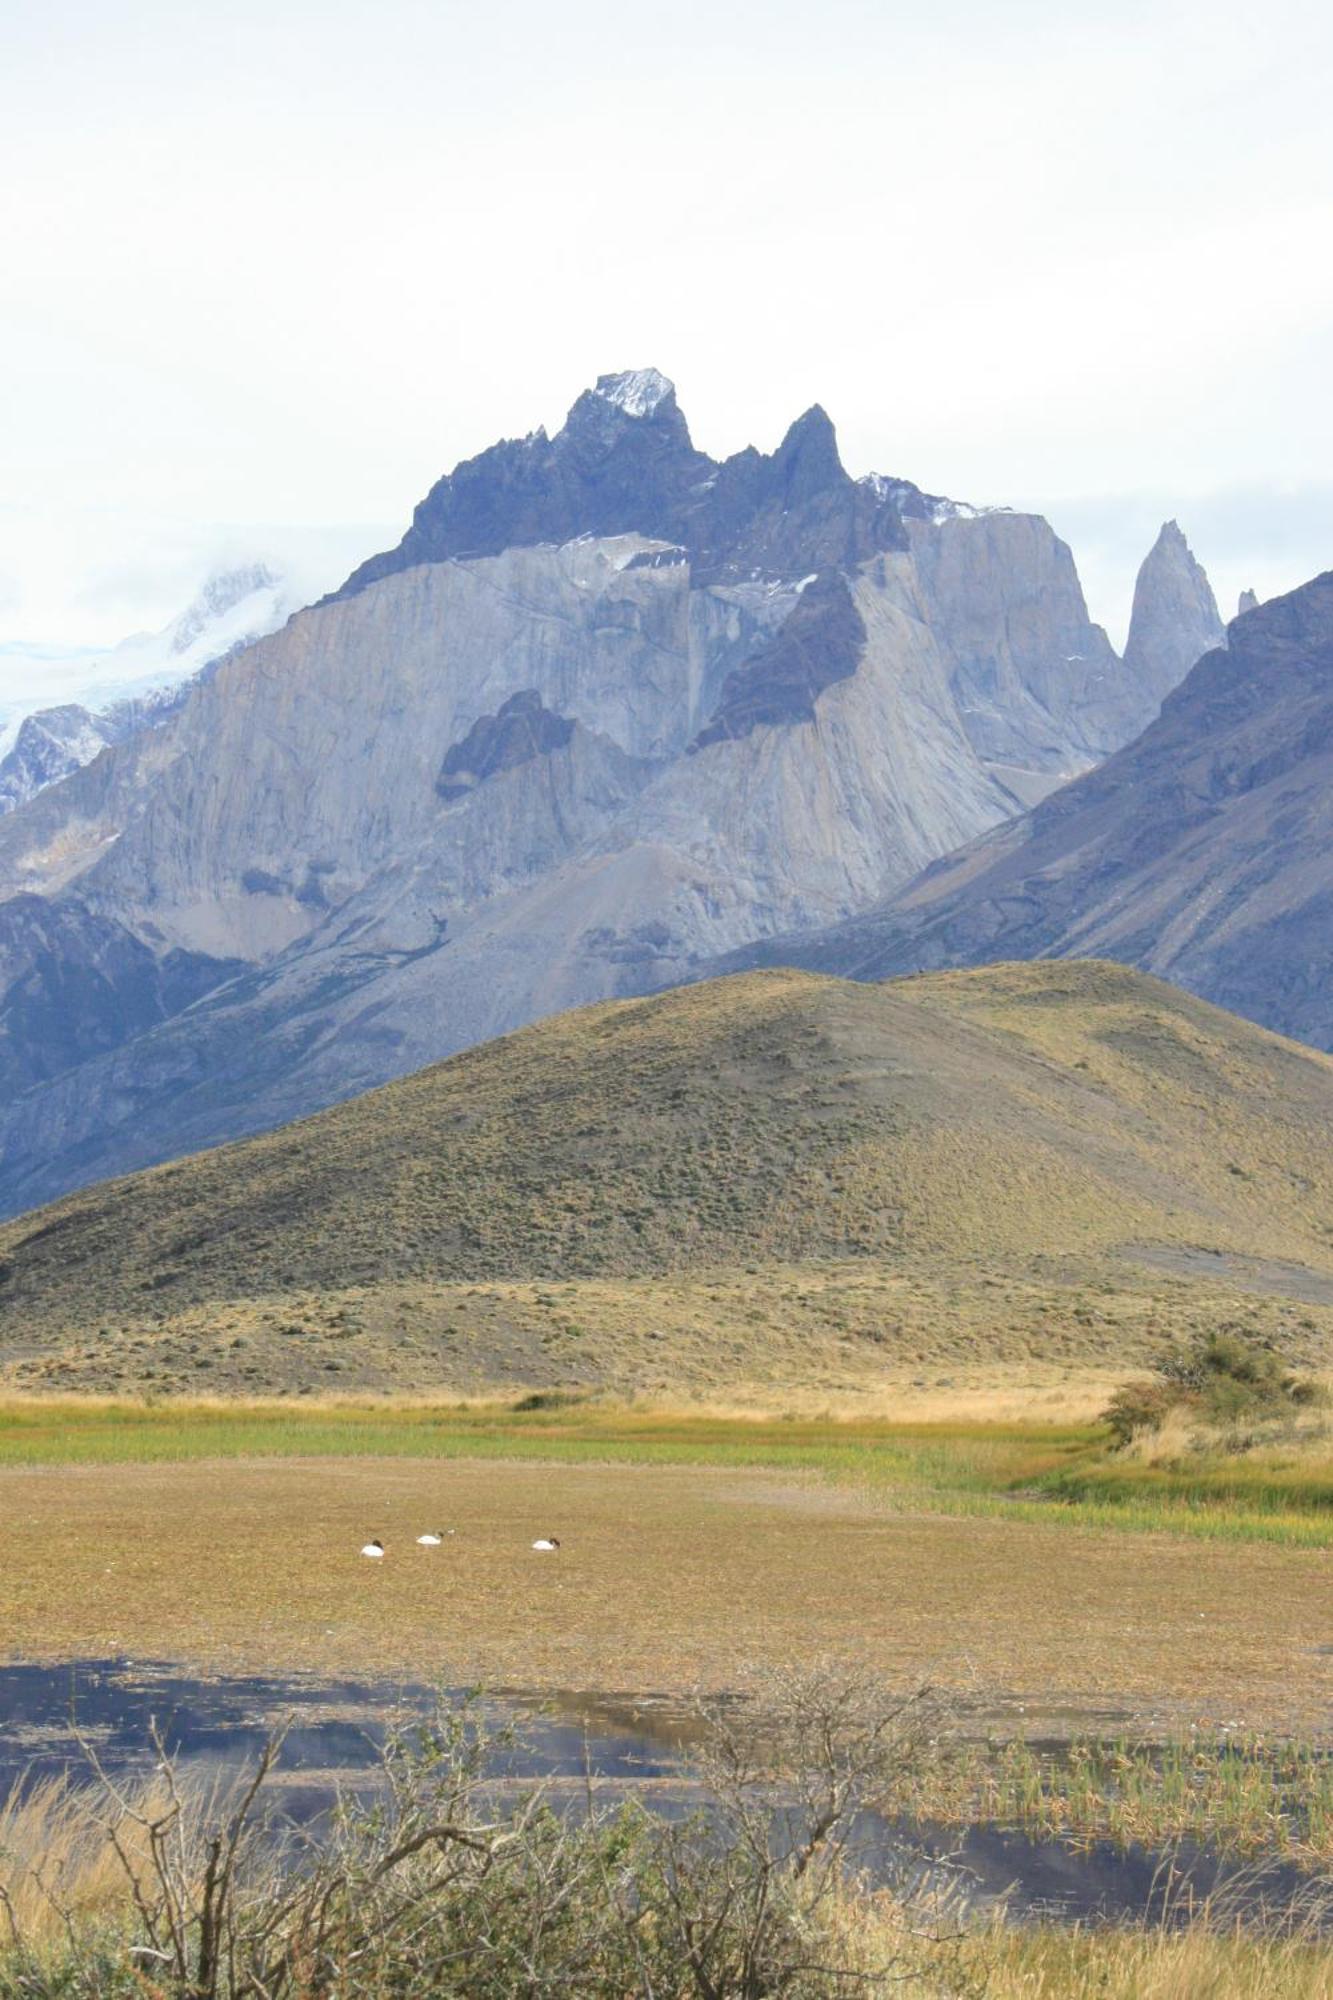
819 644
521 731
624 463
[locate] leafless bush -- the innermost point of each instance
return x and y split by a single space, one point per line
444 1880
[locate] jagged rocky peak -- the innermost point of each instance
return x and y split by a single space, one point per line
1249 601
807 461
1175 619
623 462
639 392
639 400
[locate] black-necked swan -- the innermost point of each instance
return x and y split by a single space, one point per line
546 1544
431 1541
373 1549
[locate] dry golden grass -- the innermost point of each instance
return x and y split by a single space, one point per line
667 1577
1196 1964
65 1889
866 1335
775 1180
56 1862
1302 1435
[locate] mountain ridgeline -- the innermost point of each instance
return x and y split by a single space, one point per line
1200 851
612 710
624 462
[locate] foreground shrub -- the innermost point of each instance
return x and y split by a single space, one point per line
448 1882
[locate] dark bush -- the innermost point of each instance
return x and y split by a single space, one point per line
549 1399
1225 1377
1138 1406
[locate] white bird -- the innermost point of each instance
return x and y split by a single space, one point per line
546 1544
430 1541
373 1549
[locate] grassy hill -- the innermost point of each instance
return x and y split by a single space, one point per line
777 1177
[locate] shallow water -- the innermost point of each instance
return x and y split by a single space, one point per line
214 1726
50 1717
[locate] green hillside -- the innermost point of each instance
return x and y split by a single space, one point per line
1023 1130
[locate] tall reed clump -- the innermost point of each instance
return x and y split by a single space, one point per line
446 1881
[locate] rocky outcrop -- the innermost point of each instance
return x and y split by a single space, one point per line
1037 684
1199 852
1174 621
1248 602
519 732
477 787
819 642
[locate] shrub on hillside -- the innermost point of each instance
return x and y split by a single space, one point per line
1223 1378
1136 1407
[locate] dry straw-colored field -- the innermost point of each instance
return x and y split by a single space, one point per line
672 1571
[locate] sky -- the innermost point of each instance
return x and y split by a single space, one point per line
272 268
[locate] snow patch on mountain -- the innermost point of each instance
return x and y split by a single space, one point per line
637 392
58 711
937 509
233 607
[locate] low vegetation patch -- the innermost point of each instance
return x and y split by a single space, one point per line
1225 1383
1252 1797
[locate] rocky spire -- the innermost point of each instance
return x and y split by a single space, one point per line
1175 618
807 461
1249 601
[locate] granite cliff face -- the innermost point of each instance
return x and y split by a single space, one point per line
611 709
1200 852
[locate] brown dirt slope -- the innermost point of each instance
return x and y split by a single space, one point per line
1047 1120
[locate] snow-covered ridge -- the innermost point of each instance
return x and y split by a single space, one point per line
233 607
221 595
938 508
637 392
57 712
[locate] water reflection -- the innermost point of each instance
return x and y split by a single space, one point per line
214 1726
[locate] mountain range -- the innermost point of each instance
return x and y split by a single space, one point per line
611 711
1200 851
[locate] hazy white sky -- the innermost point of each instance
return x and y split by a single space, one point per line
267 270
